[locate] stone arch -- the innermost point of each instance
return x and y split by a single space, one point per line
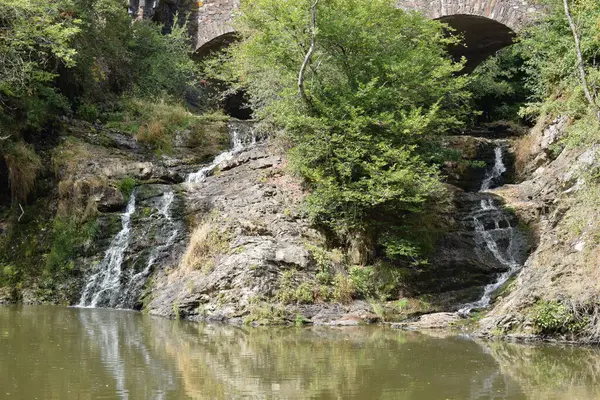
214 19
515 14
487 25
216 43
482 37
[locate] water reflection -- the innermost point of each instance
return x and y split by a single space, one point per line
59 353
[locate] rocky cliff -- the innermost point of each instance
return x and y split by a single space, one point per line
233 244
556 292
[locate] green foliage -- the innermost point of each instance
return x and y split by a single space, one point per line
176 311
70 238
343 288
156 122
291 292
163 62
377 282
36 36
498 86
551 66
23 165
552 317
131 57
81 56
262 313
379 87
126 186
9 275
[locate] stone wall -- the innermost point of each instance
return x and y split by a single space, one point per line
214 20
214 17
512 13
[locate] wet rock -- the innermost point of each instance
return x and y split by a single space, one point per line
441 320
563 266
110 199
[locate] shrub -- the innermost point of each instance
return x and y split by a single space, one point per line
156 123
552 317
206 243
363 135
23 165
9 275
498 86
290 291
343 288
378 282
70 238
126 186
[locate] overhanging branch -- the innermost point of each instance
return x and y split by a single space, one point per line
309 54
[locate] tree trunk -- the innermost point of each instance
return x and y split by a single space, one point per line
141 8
580 63
309 54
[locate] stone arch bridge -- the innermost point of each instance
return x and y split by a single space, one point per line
487 25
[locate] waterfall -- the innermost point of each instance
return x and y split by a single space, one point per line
137 281
101 285
497 170
239 141
110 285
494 230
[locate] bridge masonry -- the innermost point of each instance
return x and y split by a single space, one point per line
215 16
515 14
215 19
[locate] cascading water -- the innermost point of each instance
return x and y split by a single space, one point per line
496 172
100 287
137 281
494 231
110 285
239 141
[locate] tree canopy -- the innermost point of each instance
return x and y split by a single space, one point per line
380 88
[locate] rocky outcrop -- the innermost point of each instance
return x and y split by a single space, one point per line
559 200
251 210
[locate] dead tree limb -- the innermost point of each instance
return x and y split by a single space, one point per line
311 50
580 63
22 212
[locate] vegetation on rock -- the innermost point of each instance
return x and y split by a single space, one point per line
378 89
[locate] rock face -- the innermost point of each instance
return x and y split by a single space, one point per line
234 245
562 209
252 207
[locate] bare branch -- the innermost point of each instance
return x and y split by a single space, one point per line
22 212
4 137
309 54
580 64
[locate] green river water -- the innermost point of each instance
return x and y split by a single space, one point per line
71 353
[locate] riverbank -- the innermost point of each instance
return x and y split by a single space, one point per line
243 251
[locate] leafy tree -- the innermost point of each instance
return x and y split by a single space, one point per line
64 56
552 65
498 86
377 88
35 37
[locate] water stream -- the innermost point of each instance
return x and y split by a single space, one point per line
493 230
112 286
137 281
240 140
101 286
